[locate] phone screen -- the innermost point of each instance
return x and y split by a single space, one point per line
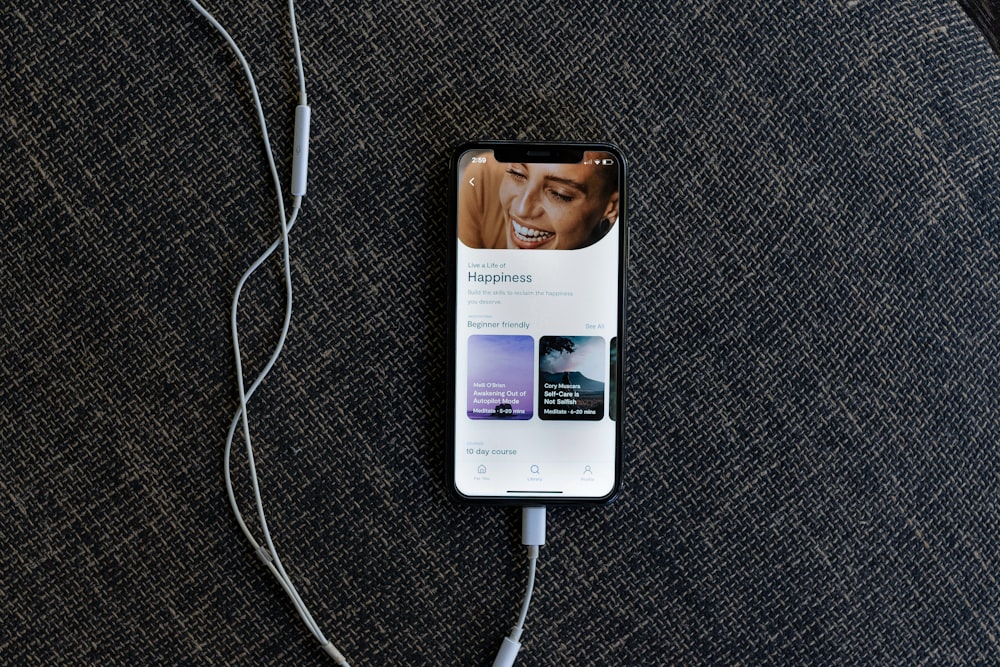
537 287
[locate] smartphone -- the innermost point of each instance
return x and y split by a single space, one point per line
537 268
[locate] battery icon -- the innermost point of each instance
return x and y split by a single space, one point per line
607 161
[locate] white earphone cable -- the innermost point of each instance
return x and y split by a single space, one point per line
532 536
298 53
269 556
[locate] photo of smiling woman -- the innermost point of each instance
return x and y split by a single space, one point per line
536 205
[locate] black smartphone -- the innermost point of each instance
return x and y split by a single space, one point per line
537 258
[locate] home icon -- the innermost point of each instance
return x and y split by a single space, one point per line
481 470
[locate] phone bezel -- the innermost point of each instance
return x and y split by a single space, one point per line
535 151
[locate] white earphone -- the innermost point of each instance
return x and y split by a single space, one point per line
300 154
533 518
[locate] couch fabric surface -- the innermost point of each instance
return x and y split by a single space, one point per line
812 398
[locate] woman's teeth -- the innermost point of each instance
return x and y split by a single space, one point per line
529 234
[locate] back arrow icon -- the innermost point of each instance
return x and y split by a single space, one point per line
472 181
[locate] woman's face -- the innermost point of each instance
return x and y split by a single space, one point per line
555 206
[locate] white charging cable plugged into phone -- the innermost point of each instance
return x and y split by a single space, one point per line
532 536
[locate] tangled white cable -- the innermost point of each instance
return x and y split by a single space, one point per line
267 552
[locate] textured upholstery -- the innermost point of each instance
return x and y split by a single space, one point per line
813 393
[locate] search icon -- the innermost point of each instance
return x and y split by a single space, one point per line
534 469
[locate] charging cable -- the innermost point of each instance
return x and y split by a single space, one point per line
268 555
532 536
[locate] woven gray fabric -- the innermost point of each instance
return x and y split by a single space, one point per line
812 409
